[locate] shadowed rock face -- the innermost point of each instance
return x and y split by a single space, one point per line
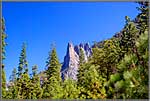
71 61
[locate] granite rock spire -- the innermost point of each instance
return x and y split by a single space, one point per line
71 60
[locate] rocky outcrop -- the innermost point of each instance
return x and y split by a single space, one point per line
86 49
71 60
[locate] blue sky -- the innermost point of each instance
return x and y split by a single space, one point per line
41 23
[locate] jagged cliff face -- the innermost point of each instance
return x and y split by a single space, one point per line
86 49
71 60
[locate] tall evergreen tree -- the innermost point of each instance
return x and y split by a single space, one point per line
13 76
131 81
70 89
143 16
24 87
12 89
22 61
4 36
52 87
81 69
118 69
92 85
3 57
81 57
23 81
3 83
34 70
36 90
106 58
53 65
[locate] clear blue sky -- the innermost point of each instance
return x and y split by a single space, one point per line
39 24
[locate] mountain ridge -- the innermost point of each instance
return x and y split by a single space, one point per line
70 65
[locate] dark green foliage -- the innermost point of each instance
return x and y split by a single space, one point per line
22 68
106 58
143 17
81 69
12 88
13 77
92 85
34 70
129 36
3 83
3 57
133 68
53 65
24 87
70 90
4 36
52 88
21 86
118 69
81 57
36 90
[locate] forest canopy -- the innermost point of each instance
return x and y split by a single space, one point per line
117 69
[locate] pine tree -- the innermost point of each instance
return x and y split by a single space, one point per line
70 90
13 76
81 57
81 69
106 57
129 36
22 61
131 81
92 85
24 87
12 89
34 70
118 69
36 90
23 81
3 57
53 65
143 16
4 36
52 88
3 83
